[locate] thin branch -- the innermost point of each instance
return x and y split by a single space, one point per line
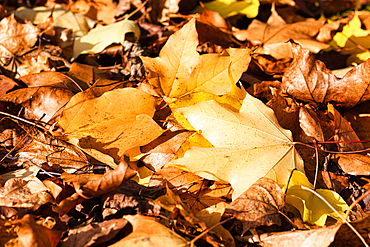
340 216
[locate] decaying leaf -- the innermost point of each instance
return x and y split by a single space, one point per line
344 133
248 144
272 36
309 80
180 70
309 124
90 185
259 204
353 164
149 232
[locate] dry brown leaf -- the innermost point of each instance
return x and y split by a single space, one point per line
6 84
353 164
91 185
180 70
26 194
39 101
258 205
67 204
344 133
128 197
32 234
309 80
150 233
272 36
15 38
309 123
93 234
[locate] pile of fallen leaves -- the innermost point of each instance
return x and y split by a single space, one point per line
183 123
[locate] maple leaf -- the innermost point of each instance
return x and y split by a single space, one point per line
180 70
272 36
248 144
111 124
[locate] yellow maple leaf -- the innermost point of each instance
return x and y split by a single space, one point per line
248 144
180 70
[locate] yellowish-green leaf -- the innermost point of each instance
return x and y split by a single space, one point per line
180 70
313 210
101 37
248 144
353 39
61 17
227 8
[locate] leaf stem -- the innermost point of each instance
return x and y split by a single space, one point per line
334 210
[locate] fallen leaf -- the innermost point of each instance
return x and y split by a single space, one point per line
228 8
309 80
180 70
6 84
91 185
32 234
313 210
15 38
99 38
26 194
309 123
344 134
259 205
272 37
95 233
353 39
111 124
248 144
39 101
149 232
320 237
353 164
61 18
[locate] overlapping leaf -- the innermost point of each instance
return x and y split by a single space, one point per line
248 144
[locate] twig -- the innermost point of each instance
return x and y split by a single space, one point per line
317 164
340 216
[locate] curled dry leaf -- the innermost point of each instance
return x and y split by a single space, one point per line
344 133
309 123
309 80
93 234
91 185
259 205
180 70
6 84
149 232
31 234
272 36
